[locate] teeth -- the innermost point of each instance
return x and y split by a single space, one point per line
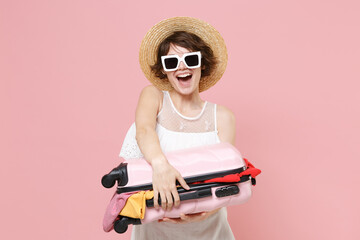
184 75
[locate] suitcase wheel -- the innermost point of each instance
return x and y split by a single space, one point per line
117 174
121 225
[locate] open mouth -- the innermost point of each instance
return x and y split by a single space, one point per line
184 77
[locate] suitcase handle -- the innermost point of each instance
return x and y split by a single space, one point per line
186 196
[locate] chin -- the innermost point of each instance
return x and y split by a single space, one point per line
186 90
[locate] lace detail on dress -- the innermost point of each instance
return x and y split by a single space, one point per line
130 148
176 131
173 120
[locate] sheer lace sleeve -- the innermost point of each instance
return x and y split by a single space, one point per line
130 148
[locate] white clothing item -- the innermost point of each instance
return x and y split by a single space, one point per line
175 132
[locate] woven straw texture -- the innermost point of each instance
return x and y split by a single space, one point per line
153 38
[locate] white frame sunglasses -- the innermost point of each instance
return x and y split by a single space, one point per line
181 59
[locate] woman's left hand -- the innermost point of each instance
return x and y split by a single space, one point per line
188 218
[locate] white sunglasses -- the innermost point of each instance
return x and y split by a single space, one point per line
172 62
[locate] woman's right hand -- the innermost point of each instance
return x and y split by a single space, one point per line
164 184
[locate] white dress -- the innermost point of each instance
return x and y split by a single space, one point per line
175 132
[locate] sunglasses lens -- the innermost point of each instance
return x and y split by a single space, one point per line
171 63
192 60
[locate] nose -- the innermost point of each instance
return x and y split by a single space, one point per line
182 65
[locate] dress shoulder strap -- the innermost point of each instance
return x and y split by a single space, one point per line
215 121
163 102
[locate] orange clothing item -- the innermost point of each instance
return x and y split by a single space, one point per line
136 204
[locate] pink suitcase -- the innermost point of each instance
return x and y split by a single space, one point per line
196 165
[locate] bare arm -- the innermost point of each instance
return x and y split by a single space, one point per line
145 121
164 175
226 124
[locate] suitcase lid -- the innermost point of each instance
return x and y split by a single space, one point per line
194 164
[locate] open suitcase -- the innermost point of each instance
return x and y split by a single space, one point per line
217 174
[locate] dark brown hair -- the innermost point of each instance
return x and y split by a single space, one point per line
191 42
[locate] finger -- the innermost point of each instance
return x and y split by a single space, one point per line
156 197
196 215
184 217
182 182
192 217
176 198
163 200
170 201
172 220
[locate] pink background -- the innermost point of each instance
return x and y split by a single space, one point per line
70 80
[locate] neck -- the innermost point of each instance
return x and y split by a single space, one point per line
185 103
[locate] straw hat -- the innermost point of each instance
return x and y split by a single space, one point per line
153 38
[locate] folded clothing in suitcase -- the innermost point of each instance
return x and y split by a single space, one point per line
217 175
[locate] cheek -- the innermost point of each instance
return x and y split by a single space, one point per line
170 77
198 73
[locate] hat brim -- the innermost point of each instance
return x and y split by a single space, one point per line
160 31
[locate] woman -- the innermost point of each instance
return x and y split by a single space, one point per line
181 57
